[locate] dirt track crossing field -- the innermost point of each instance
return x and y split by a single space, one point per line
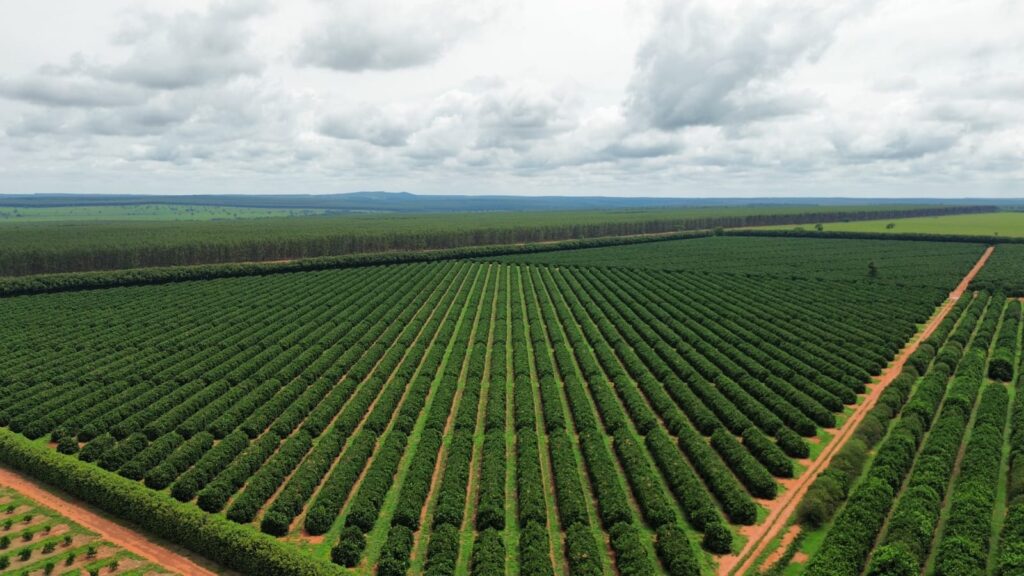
762 535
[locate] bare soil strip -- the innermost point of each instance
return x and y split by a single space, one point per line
779 552
760 536
109 530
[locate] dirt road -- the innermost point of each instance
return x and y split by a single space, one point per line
783 507
108 529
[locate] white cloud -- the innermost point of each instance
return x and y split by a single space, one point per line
562 96
720 62
360 35
368 124
69 88
189 48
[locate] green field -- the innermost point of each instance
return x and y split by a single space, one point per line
904 262
472 417
143 212
1009 224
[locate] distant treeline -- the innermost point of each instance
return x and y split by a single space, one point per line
60 247
404 202
70 282
960 238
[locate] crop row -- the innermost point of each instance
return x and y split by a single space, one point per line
633 408
848 543
1010 558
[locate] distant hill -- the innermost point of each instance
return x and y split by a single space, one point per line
408 202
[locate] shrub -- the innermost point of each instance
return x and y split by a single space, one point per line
630 554
350 546
488 557
675 551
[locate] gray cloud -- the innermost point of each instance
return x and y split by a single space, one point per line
366 124
708 64
50 89
360 35
801 96
190 49
360 49
165 53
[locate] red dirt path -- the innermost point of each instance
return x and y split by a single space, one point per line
109 530
780 509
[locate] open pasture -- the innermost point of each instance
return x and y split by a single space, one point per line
1007 224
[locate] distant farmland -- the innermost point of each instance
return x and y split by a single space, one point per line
143 212
1009 224
88 244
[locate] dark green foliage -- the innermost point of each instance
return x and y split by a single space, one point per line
612 505
534 550
768 453
417 480
572 507
156 452
1011 551
792 444
697 504
582 551
350 546
366 504
209 464
630 555
96 447
529 487
442 551
394 557
67 445
214 495
754 476
654 503
893 560
325 507
964 546
1000 365
451 497
490 511
649 385
1003 271
675 551
231 545
43 247
717 538
489 554
267 480
847 545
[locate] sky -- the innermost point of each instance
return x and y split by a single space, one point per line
703 98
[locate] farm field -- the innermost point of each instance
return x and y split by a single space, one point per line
1005 271
939 492
142 212
914 263
86 245
1008 224
36 540
650 409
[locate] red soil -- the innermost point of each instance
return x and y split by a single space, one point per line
109 530
780 509
787 539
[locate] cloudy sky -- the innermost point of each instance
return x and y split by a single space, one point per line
605 97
